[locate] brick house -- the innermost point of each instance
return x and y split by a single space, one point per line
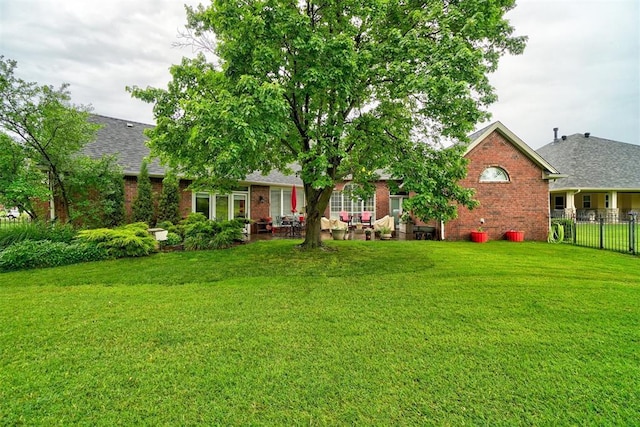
519 199
512 185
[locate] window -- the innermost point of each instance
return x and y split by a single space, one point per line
280 203
345 201
559 202
219 206
202 204
586 201
494 174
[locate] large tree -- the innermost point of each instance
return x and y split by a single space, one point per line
49 129
343 88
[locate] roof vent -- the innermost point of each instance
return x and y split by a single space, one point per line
587 134
564 137
555 134
129 125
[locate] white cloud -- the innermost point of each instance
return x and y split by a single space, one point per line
580 71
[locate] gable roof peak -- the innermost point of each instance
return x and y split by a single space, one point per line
479 136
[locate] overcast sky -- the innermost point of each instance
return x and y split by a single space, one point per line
580 71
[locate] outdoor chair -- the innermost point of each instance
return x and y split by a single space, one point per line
365 218
344 217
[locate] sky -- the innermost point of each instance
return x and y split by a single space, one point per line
580 71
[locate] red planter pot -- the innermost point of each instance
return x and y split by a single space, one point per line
515 236
479 236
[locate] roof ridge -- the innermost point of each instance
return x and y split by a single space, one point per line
121 120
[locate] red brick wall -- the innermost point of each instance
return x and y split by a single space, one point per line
185 198
520 204
260 210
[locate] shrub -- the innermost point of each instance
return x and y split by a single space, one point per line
195 243
227 237
143 208
169 203
45 253
206 229
35 231
173 239
96 190
131 240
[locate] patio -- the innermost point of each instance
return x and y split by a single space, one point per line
326 235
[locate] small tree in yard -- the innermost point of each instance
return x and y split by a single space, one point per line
49 130
169 204
143 208
342 88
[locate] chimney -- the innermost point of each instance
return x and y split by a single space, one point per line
555 134
587 134
564 137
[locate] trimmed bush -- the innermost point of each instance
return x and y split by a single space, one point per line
45 253
131 240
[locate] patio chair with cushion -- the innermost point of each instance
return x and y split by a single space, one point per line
344 217
365 218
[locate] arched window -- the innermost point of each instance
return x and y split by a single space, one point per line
494 174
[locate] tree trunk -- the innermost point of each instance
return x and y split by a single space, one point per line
317 201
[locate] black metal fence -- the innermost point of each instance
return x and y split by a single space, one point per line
614 234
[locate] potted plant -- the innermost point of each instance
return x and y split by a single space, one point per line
338 233
385 233
480 236
368 233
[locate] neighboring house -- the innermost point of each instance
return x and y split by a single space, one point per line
512 185
603 177
511 181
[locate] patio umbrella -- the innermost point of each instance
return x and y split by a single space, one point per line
294 199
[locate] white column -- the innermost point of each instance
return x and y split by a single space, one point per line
570 203
613 199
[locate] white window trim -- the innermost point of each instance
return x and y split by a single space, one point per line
495 176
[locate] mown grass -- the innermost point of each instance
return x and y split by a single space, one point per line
375 333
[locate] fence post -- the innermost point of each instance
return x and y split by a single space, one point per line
601 220
633 220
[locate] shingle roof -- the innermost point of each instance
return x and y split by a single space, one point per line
126 140
594 163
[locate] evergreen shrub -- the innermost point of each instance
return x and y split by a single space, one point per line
132 240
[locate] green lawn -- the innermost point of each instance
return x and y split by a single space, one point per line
375 333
